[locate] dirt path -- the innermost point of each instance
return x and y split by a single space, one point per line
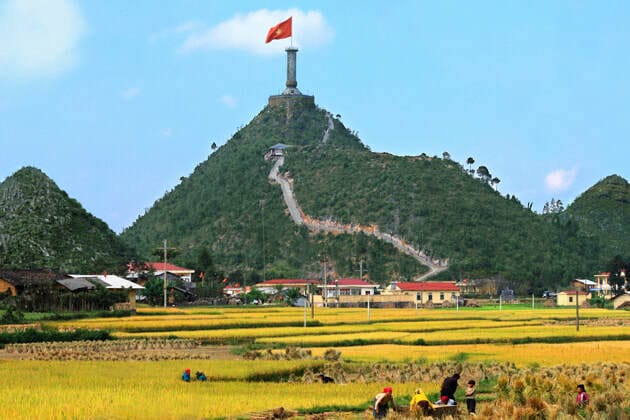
331 126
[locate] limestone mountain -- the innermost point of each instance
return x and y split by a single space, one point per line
42 227
228 209
604 212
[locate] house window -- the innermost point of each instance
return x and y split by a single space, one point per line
430 296
418 296
570 299
441 295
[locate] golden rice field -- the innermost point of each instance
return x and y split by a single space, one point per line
153 390
226 317
399 341
464 335
520 354
217 335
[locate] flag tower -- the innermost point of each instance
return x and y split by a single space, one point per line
291 94
291 84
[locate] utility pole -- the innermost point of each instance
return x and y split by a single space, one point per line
312 290
305 305
165 272
262 219
577 309
325 286
361 269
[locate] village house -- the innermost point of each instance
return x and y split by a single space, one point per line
43 289
422 293
17 282
135 272
114 283
584 285
567 298
348 287
234 290
468 287
273 286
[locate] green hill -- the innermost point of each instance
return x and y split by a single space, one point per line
41 227
435 204
228 209
604 212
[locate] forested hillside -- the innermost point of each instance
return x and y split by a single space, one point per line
41 227
604 212
227 210
437 205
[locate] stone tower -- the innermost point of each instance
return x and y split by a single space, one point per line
291 93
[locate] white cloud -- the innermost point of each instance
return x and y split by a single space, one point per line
39 38
560 179
183 28
229 101
190 26
248 32
166 132
130 93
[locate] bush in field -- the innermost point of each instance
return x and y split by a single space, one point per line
33 335
600 302
12 315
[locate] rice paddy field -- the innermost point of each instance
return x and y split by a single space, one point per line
526 361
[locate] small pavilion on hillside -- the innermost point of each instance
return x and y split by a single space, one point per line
276 151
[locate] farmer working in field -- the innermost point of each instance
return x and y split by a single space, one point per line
449 386
420 403
582 396
382 402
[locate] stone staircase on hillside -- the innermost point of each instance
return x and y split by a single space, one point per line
316 225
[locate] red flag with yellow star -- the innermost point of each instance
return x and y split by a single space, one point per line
280 31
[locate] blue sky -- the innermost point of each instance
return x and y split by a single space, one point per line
116 100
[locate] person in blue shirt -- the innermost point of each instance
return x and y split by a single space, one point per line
186 375
201 376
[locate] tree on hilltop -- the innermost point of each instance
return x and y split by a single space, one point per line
553 206
470 161
484 173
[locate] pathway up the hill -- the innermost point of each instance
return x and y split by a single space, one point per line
316 225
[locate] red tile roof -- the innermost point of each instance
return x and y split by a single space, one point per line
429 286
159 266
288 282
